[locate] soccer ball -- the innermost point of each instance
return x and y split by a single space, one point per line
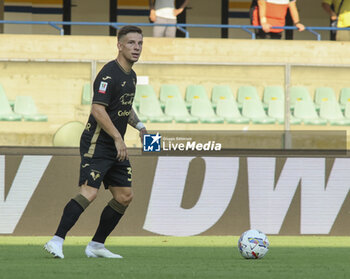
253 244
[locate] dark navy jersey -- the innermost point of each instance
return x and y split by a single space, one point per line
114 88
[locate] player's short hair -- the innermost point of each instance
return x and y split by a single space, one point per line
128 29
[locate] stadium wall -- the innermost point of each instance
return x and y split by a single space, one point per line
182 196
53 70
170 60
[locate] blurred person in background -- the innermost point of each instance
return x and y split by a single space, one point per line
268 13
340 16
164 11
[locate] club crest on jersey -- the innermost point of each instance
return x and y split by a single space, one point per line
103 87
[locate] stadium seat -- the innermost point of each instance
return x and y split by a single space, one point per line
86 97
202 109
168 91
246 93
25 106
276 111
331 111
195 92
68 134
12 104
221 92
347 110
344 97
305 110
176 108
298 93
150 107
228 109
143 90
272 93
254 110
324 94
6 113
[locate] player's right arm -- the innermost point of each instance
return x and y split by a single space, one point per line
104 85
103 119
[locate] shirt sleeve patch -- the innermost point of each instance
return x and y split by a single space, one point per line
103 87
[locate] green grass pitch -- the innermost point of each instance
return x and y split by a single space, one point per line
178 257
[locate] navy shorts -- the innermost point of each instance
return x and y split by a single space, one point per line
104 167
109 171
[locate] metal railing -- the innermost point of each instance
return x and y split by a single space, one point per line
181 26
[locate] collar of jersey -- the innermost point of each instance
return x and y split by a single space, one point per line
127 73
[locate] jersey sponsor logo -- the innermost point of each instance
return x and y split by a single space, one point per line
103 87
106 78
124 113
123 83
127 99
85 165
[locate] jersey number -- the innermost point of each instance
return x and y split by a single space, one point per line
129 173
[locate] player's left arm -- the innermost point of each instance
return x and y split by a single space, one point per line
135 122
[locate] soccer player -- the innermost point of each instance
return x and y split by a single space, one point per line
104 156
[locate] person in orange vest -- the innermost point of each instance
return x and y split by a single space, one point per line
268 13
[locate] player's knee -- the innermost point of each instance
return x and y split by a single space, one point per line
88 192
125 198
92 196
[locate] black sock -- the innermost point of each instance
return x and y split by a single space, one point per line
108 221
71 214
